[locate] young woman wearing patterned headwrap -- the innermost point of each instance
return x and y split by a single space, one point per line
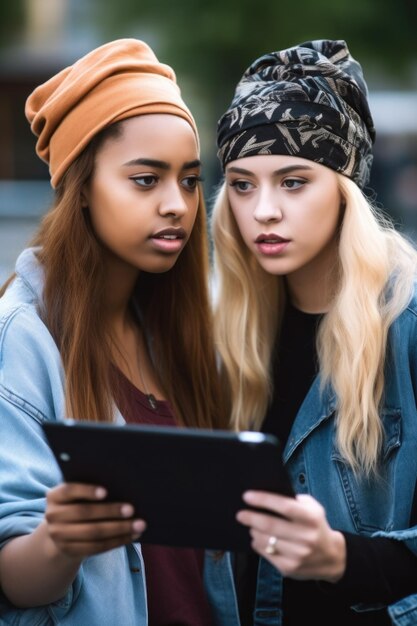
106 316
317 330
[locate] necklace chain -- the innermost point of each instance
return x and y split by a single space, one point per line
152 401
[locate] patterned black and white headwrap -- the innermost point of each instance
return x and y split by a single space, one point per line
308 101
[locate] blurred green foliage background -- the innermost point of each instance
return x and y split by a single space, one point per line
210 43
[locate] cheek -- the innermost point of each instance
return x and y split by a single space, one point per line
325 217
113 222
102 220
331 219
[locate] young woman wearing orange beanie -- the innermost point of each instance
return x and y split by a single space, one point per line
106 319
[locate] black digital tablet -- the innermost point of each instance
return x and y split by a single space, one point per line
186 483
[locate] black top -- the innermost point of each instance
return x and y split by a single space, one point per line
378 569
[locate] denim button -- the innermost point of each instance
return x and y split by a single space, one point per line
301 478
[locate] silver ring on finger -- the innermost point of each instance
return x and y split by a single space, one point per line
271 546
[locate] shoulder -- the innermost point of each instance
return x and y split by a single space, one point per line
412 305
20 322
403 330
21 326
409 314
31 374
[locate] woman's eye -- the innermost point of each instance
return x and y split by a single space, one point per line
241 185
293 183
190 182
147 181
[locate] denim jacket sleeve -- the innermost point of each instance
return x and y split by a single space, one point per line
31 391
401 382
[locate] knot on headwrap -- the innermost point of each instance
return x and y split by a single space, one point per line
308 101
118 80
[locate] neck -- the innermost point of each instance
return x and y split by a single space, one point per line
307 300
312 287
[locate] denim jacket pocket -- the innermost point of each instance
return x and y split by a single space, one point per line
370 500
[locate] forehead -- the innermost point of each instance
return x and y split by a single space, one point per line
263 163
157 136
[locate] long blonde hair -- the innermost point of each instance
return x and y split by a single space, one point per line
377 268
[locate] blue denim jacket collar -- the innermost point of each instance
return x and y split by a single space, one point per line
318 405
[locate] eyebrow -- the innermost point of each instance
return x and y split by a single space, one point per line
162 165
283 170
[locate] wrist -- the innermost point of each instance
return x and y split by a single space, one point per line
52 550
338 558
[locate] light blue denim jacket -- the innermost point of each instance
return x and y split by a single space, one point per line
109 589
372 508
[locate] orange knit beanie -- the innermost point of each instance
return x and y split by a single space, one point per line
118 80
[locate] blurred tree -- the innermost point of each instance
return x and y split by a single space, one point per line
11 18
215 40
211 42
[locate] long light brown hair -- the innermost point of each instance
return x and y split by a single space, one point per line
175 310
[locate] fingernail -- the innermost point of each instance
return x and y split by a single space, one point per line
138 526
100 493
127 510
248 496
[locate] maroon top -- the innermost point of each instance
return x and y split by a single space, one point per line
174 576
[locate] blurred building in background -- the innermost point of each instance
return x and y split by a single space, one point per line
51 37
394 172
210 47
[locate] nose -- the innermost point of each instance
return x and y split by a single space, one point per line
268 207
173 202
